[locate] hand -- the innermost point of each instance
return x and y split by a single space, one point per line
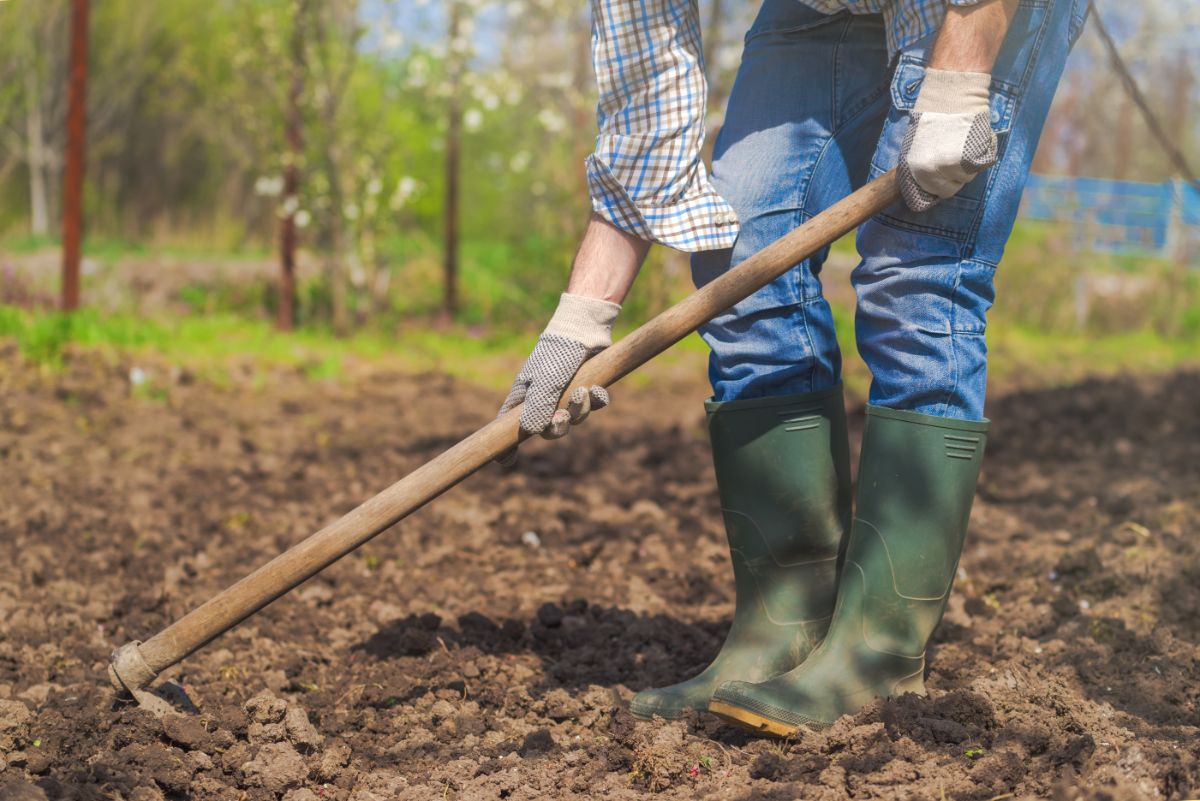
949 139
580 328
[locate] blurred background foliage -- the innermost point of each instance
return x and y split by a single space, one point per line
186 113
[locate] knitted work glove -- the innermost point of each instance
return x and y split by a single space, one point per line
580 328
949 139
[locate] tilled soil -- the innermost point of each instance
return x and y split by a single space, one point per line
487 646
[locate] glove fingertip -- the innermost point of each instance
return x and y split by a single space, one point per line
579 405
560 424
599 396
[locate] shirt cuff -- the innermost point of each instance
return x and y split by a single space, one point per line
697 219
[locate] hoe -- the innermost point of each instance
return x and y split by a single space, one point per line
135 665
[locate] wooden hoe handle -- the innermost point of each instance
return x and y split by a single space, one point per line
137 664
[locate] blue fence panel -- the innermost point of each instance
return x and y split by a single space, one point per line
1189 205
1118 216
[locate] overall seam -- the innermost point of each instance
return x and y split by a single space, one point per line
954 360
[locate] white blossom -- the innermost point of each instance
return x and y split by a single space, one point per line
406 187
552 121
268 185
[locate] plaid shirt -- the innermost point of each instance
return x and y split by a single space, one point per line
646 175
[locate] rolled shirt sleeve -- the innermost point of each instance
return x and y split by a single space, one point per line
646 175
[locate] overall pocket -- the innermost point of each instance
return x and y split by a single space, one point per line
957 217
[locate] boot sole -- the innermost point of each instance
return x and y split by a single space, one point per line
746 719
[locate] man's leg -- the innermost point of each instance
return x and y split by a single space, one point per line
795 140
924 287
802 122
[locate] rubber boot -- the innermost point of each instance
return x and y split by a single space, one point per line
783 476
916 482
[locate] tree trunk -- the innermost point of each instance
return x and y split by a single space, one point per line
339 298
72 218
335 264
39 201
453 144
286 318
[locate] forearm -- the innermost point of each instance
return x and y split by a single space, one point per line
607 262
971 36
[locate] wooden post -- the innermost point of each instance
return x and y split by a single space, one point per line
453 146
72 221
286 316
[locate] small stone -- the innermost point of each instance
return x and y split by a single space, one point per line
531 539
200 760
266 732
336 757
265 707
14 723
513 629
549 615
235 756
276 768
300 730
38 761
441 710
185 730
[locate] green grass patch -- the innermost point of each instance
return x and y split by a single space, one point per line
208 343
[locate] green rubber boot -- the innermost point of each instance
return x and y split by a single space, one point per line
916 483
783 475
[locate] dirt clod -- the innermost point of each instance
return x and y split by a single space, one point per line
300 730
276 767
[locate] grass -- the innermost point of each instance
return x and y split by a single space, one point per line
108 249
208 344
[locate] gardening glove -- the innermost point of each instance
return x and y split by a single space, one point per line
949 139
580 328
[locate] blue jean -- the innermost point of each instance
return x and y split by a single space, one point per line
817 109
